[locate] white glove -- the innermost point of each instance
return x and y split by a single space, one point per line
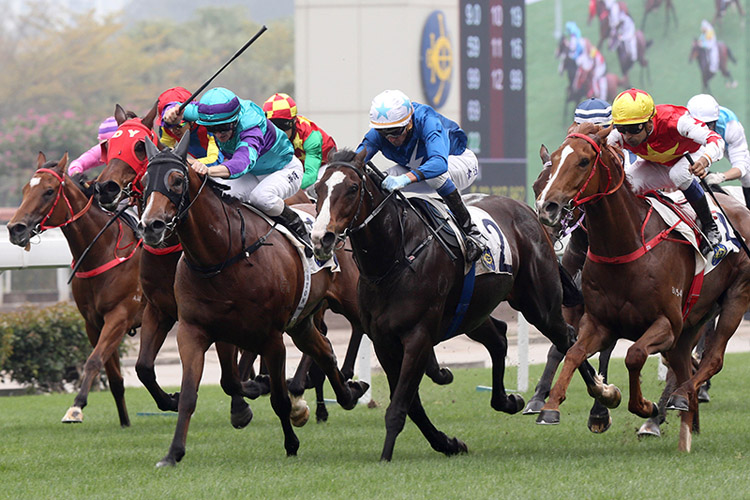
715 178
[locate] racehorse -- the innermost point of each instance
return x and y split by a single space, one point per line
643 292
698 53
598 9
723 5
106 291
652 5
626 62
412 287
241 282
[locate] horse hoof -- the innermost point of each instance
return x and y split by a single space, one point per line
166 462
242 418
614 399
533 407
300 413
548 417
677 403
649 428
456 447
599 423
703 396
321 413
74 415
516 403
444 377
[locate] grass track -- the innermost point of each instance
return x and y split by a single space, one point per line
509 456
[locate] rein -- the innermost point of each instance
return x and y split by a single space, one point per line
60 192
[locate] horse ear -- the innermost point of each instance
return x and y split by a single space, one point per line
151 149
62 163
40 160
182 147
359 160
544 154
602 134
120 114
148 120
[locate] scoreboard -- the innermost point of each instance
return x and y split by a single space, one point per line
493 93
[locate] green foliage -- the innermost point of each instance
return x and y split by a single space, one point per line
44 347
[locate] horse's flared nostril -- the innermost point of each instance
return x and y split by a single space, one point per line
327 240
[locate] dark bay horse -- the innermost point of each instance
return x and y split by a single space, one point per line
410 288
240 282
699 54
626 61
652 5
106 290
637 292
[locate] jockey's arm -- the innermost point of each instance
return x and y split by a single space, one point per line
737 151
713 144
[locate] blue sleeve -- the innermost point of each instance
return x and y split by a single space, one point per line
437 148
371 141
190 112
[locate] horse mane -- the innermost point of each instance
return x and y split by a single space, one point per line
345 154
82 182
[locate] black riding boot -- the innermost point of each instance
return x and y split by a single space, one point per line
292 221
475 241
708 225
746 193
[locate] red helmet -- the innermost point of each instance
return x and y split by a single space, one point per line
280 106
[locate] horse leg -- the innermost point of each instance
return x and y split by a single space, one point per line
657 338
253 386
115 326
308 339
274 355
154 329
680 361
492 335
535 404
652 426
117 387
240 412
192 343
246 369
599 418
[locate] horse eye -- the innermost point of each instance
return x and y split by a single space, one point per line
49 192
584 162
352 189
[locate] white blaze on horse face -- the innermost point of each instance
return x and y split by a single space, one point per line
34 181
324 215
147 210
567 150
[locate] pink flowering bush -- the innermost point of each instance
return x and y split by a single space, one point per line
23 136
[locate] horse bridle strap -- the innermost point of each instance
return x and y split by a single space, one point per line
597 161
60 192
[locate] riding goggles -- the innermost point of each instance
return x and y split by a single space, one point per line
392 132
283 124
633 129
218 129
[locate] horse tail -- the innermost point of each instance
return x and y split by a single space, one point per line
572 295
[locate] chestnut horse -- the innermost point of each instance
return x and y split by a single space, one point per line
412 287
106 290
240 282
699 54
637 291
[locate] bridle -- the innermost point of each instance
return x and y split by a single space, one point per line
60 193
576 201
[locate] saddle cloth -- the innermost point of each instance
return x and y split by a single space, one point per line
729 242
497 258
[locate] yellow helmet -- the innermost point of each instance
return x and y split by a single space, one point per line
632 106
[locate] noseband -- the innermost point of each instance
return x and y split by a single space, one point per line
60 192
597 161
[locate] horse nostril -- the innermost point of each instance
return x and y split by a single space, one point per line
17 229
327 239
157 226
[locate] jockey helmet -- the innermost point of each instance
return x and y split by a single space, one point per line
572 29
174 95
632 106
217 107
280 106
390 108
107 128
703 107
594 111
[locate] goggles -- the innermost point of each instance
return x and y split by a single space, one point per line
218 129
392 132
283 124
632 129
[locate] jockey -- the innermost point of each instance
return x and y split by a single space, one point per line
596 111
426 146
311 143
259 165
661 136
202 144
591 62
575 40
723 121
708 42
93 157
622 30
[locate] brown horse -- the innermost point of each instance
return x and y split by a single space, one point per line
652 5
626 62
601 12
412 287
636 291
240 282
723 5
106 290
699 54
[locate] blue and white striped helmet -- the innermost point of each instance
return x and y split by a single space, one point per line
390 108
594 111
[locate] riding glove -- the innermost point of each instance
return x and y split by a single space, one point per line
392 183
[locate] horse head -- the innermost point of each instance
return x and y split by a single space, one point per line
579 172
166 190
40 208
125 154
342 192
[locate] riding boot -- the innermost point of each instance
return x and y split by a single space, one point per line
475 240
292 221
708 225
746 194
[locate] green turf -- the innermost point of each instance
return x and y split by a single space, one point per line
673 79
509 455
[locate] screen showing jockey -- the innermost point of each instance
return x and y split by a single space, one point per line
259 165
426 146
202 145
661 136
723 121
93 157
311 143
709 43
